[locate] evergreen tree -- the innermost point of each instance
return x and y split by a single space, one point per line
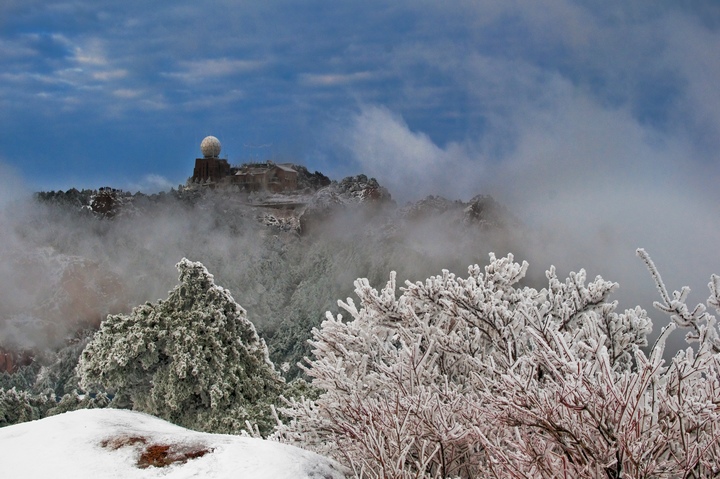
193 359
21 406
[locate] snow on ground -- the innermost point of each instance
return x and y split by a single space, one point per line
109 443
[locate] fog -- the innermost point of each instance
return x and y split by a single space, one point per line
606 147
590 185
597 129
584 185
570 204
65 268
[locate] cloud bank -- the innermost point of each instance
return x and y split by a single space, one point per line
599 133
108 87
590 182
598 125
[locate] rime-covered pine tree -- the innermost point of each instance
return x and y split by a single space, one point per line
193 359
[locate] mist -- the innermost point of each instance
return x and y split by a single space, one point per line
573 193
597 128
590 184
65 268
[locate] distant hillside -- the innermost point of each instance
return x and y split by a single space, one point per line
286 257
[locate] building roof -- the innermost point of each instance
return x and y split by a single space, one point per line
287 168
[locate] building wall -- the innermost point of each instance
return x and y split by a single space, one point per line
251 180
287 180
270 177
214 169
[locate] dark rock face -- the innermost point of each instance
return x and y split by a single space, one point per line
312 181
72 198
109 202
350 192
316 200
481 211
429 206
363 189
105 202
484 211
11 360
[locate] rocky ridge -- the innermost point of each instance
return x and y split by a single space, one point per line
299 211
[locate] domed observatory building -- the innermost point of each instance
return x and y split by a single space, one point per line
210 169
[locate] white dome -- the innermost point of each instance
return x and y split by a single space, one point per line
210 147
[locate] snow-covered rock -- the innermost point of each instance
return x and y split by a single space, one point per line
481 211
114 443
351 192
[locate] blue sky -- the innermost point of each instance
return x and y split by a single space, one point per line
596 122
121 93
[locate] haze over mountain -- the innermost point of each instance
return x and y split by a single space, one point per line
80 259
74 256
566 132
596 126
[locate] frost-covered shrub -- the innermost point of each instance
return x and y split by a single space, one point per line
58 369
193 359
479 377
21 406
23 379
74 400
46 387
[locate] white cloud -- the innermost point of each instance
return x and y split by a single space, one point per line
151 183
407 162
90 52
590 181
602 184
692 53
127 93
200 70
335 79
110 74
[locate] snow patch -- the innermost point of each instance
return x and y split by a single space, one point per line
88 444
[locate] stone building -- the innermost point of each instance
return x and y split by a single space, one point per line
212 171
210 168
266 176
